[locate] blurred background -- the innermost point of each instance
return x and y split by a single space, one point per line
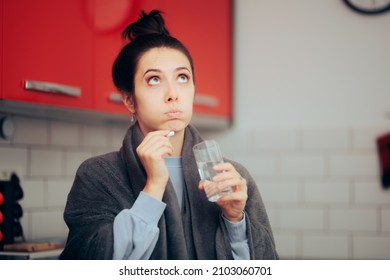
308 96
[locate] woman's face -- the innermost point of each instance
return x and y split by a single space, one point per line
164 91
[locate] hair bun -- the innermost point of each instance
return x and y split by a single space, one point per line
147 24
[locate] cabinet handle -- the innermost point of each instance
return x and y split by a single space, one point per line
52 88
206 100
116 98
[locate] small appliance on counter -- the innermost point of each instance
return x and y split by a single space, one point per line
11 212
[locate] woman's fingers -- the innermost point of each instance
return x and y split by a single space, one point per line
228 176
151 152
155 144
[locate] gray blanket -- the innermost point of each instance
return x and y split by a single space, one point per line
106 184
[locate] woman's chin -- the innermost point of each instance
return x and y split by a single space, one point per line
177 125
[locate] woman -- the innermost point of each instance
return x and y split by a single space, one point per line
146 200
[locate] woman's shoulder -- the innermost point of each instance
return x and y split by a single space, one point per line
105 169
100 162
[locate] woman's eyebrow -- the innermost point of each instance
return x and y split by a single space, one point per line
152 70
182 68
159 71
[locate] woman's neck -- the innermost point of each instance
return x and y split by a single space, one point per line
177 142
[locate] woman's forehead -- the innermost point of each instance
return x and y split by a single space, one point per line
163 59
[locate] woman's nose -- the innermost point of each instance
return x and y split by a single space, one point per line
172 98
172 94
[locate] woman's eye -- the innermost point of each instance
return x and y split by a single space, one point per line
183 79
154 81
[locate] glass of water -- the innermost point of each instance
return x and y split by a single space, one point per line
207 155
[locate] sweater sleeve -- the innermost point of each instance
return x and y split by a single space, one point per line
258 229
238 238
135 230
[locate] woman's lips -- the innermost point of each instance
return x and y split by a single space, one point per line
174 114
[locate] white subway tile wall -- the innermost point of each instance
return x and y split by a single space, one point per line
34 192
385 220
46 162
325 246
46 223
31 132
64 134
353 219
13 158
320 186
371 247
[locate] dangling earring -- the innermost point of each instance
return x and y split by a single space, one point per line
132 119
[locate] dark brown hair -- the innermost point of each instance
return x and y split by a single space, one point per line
148 32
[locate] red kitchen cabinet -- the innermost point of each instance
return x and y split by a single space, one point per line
47 53
107 20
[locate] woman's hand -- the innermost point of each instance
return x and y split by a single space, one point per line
233 204
151 152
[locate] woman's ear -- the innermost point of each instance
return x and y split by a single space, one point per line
128 101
